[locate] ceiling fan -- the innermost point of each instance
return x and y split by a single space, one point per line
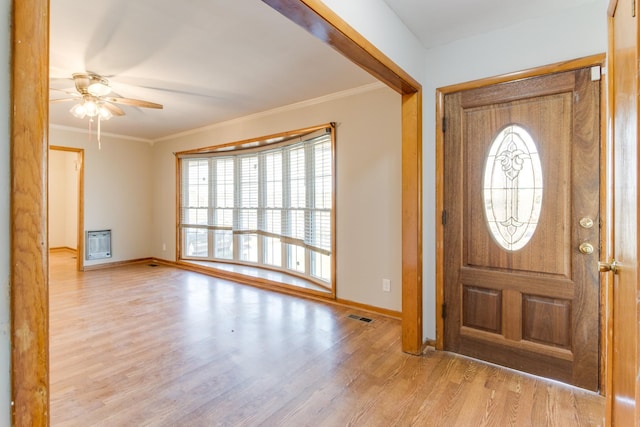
95 98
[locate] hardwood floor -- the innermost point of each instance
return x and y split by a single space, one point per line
156 346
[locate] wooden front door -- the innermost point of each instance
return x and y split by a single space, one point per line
522 225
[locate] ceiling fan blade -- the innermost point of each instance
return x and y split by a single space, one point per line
63 100
133 102
69 91
115 110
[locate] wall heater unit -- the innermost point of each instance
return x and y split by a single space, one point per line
98 244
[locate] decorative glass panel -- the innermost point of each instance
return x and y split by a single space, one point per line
512 190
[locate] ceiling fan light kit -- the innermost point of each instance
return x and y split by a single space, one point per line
91 92
99 88
90 108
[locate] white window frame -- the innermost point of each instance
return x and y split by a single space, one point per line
313 247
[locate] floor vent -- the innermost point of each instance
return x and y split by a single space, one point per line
360 318
153 265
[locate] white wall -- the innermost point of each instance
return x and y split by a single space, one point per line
117 191
5 355
368 184
569 34
381 26
63 199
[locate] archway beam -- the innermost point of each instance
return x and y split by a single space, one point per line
29 140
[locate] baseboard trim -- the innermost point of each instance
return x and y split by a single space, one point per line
117 264
253 281
62 249
279 287
258 283
370 308
429 343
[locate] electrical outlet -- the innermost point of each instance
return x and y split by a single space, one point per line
386 285
164 246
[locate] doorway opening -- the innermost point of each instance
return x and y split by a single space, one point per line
66 201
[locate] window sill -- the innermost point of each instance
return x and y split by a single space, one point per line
261 277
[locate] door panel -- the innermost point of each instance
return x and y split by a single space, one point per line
518 290
550 116
623 58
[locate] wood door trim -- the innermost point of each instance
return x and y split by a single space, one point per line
606 201
80 224
510 91
588 61
623 386
28 245
572 64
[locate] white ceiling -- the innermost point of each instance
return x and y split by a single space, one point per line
206 61
209 61
435 22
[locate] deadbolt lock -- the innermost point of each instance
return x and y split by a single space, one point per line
586 222
586 248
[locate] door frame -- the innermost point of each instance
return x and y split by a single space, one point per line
80 198
29 73
584 62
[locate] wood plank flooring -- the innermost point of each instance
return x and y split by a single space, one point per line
156 346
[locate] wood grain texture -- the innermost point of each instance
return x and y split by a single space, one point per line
587 137
558 67
441 258
440 219
319 20
606 215
160 346
29 246
558 285
482 308
412 223
623 63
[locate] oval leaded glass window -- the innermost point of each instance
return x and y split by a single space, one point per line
512 190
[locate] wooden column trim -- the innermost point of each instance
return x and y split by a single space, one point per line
29 245
439 219
315 17
412 223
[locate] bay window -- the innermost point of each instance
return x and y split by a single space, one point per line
268 203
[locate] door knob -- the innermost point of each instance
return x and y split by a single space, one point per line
586 248
608 266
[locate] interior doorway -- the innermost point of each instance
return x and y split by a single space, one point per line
66 201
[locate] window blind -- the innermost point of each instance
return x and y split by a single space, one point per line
263 205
